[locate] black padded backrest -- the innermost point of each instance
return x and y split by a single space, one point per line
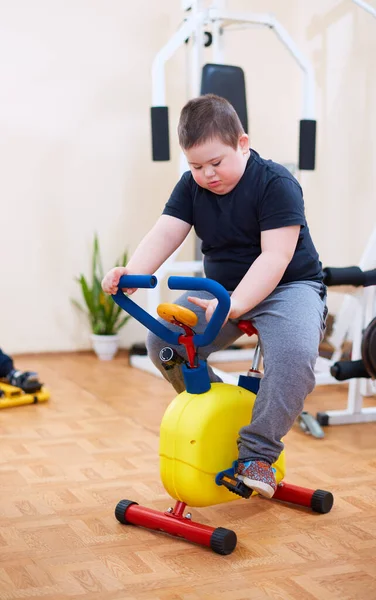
229 82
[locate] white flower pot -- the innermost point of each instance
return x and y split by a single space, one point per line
105 346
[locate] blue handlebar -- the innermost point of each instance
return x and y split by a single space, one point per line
220 313
137 281
175 283
142 281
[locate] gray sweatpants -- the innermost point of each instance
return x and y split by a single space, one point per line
290 324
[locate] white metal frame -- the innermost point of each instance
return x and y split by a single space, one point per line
366 6
219 19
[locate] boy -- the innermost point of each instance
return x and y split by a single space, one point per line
249 214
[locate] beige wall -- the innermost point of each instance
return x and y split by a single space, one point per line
75 139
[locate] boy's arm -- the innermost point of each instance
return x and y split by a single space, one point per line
277 249
161 241
157 245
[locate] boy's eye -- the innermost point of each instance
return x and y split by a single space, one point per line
212 164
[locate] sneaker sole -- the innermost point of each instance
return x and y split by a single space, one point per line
264 489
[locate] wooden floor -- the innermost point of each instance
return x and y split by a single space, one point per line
66 464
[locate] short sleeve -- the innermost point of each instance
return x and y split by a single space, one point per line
281 205
180 203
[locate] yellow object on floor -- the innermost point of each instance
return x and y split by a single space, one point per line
14 396
198 439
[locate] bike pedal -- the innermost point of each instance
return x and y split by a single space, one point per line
236 487
233 484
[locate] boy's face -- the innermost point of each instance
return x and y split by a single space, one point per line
216 166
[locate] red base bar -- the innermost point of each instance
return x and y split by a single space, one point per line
222 541
173 523
294 494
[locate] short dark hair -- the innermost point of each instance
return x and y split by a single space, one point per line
208 117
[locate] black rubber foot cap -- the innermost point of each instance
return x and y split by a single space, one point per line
322 419
322 501
223 541
121 509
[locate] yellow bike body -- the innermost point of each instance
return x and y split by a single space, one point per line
198 438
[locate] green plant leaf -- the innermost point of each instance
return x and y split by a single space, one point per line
104 314
87 294
97 269
97 291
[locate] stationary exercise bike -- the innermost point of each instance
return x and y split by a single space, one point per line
199 430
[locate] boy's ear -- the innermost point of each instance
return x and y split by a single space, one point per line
244 143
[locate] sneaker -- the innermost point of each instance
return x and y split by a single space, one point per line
259 476
26 380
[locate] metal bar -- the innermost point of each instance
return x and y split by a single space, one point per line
197 42
167 522
257 358
157 70
179 509
355 399
282 34
366 6
241 17
218 51
291 493
345 417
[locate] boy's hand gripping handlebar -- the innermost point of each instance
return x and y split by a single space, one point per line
175 283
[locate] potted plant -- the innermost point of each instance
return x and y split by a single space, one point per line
105 316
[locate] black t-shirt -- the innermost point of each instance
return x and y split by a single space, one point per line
229 225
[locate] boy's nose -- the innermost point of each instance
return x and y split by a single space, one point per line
209 172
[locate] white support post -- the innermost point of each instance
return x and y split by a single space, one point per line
366 6
218 50
355 400
158 66
197 43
